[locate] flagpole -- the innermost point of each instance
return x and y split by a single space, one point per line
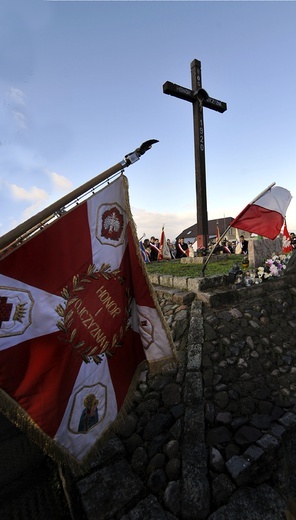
216 244
38 220
231 224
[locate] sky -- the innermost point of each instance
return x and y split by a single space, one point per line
81 86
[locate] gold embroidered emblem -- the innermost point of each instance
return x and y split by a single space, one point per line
15 311
96 313
111 224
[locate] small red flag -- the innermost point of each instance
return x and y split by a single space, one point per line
287 243
164 250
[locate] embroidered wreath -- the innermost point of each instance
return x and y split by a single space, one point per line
96 313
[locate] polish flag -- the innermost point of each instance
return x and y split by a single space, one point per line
265 215
78 316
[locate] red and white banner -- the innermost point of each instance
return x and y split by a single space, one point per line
287 242
265 216
77 317
164 250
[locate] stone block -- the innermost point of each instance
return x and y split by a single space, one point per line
154 278
147 508
113 448
288 420
180 282
106 492
260 503
195 260
166 280
193 284
193 389
268 442
262 249
239 469
195 493
253 453
193 446
194 356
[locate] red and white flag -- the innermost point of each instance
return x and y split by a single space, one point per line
164 250
266 214
77 317
287 243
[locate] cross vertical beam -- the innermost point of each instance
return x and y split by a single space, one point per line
200 163
199 99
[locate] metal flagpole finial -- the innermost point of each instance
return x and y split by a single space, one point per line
134 156
33 224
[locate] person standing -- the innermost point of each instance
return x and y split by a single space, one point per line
181 248
154 250
244 245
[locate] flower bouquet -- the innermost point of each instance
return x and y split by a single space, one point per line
273 267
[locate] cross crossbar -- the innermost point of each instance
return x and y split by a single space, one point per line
199 99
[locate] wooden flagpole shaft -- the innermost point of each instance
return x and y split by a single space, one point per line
49 212
37 220
216 244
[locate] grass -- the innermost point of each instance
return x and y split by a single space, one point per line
176 268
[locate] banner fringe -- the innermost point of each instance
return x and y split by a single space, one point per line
145 274
21 419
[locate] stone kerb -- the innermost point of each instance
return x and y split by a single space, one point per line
215 291
202 259
183 283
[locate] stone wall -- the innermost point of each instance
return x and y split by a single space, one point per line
209 440
205 439
249 377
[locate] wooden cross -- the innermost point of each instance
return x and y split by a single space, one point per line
199 99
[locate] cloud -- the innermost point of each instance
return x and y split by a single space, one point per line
16 95
20 119
60 182
151 223
34 194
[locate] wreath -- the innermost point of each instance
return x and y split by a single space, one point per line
96 313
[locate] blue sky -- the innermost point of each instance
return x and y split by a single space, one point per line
81 86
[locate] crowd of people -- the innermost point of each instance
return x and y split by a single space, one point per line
239 248
152 251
